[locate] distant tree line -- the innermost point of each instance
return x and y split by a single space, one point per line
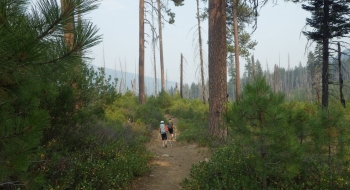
302 83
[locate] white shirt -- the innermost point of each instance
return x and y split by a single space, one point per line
162 128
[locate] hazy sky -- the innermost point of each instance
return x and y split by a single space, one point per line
278 34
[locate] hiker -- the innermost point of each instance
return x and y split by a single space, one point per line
171 128
162 130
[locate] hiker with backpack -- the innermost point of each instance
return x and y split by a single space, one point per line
162 130
171 128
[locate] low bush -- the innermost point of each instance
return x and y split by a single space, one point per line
277 145
102 157
192 118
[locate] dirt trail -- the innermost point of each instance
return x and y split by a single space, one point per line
170 165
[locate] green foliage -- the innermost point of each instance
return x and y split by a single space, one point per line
193 120
258 123
336 20
228 168
36 66
123 109
298 117
164 100
278 145
150 113
100 155
104 157
57 130
189 109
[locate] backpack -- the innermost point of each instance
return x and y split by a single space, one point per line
170 126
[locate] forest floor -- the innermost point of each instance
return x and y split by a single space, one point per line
170 165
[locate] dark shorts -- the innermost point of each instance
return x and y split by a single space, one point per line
171 131
164 136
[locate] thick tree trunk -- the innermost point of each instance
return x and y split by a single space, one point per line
217 66
181 77
201 54
141 52
238 76
161 46
325 54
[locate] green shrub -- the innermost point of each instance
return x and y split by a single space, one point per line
227 169
123 109
278 145
150 114
165 101
103 157
192 118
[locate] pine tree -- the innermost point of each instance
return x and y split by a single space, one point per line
217 66
329 20
257 124
35 64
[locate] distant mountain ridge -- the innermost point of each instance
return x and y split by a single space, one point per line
129 77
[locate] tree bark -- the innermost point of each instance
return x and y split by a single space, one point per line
217 66
201 54
235 24
154 57
325 53
66 7
342 101
141 52
161 46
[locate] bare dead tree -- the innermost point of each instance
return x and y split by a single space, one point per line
181 76
275 79
121 84
161 45
154 41
342 101
141 52
201 54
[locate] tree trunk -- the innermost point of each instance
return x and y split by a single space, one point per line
238 76
161 46
133 87
275 79
104 65
342 101
181 77
155 71
217 65
288 78
154 57
121 84
141 52
325 53
201 54
66 7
